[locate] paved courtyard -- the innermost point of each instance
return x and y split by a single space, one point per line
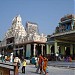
31 70
62 64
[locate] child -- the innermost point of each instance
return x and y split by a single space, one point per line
23 66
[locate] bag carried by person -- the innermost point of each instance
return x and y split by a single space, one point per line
18 64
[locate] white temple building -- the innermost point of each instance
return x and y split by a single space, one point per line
26 42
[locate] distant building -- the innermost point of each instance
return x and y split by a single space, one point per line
63 40
23 42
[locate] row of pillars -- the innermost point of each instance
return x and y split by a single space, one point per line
63 48
34 49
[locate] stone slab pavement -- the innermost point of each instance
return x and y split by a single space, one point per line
31 70
62 64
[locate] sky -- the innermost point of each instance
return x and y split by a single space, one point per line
46 13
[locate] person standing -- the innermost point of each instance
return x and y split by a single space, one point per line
5 58
11 57
38 65
18 61
23 66
40 62
45 68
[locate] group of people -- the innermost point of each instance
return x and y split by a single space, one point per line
17 64
42 62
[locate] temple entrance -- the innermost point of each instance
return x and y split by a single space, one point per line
67 52
16 53
21 54
52 53
38 50
44 51
59 50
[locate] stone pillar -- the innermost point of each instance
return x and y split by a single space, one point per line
56 50
48 49
71 49
42 45
74 50
56 47
18 51
34 50
23 51
28 50
63 50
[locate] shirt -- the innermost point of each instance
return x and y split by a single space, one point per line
24 63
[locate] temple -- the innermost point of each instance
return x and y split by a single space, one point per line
63 40
23 42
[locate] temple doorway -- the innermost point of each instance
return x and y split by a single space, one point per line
67 51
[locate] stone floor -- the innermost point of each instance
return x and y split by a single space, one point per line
31 70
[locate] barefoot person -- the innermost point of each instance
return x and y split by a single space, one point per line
45 68
40 62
